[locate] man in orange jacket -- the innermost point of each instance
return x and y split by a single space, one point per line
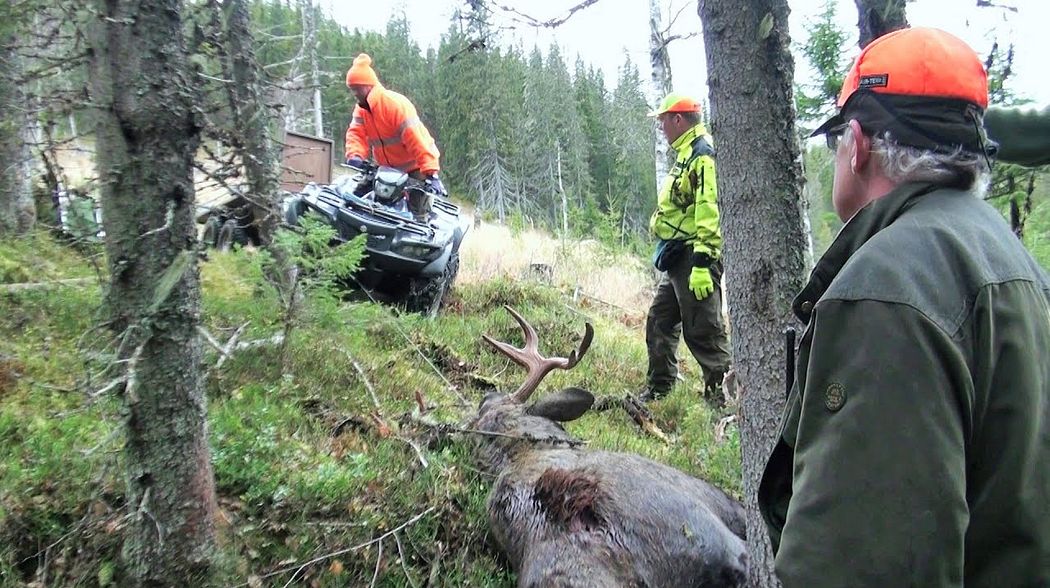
385 125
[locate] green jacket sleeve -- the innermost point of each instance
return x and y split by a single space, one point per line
708 234
1023 135
879 490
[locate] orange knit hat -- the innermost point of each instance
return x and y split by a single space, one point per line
361 72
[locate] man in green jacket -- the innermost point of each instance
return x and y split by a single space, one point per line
915 445
688 298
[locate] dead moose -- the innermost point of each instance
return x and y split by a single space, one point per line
567 516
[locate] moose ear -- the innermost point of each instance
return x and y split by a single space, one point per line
562 406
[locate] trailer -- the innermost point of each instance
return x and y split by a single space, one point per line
227 218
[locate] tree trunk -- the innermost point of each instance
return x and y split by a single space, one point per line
564 202
147 135
760 199
875 18
310 49
17 214
659 84
252 121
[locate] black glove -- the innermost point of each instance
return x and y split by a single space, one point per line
355 161
435 184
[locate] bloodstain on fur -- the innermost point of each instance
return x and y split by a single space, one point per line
569 498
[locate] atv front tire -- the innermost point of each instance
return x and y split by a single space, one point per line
427 295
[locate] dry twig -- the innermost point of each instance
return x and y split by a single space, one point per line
319 559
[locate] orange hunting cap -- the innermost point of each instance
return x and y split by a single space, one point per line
361 72
676 103
925 87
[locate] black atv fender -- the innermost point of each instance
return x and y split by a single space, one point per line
437 267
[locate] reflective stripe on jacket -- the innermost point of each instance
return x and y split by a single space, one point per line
391 132
687 206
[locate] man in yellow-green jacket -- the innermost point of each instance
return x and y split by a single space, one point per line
688 299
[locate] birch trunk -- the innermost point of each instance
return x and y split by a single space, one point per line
310 49
17 214
659 84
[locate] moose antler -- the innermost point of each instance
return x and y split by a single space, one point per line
529 356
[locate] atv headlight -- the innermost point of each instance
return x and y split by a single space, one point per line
413 250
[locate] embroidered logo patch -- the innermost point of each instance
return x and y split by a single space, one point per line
874 81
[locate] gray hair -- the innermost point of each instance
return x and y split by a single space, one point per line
903 163
693 118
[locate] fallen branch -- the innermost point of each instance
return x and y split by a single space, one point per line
723 426
111 385
636 410
272 341
419 452
24 286
300 567
433 579
401 556
230 345
578 293
379 560
364 379
644 419
211 340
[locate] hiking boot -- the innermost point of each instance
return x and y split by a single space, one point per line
713 388
649 394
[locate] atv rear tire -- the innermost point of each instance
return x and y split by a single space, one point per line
211 231
225 239
427 295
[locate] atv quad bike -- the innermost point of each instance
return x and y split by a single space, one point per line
413 232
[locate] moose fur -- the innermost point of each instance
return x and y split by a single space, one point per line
567 516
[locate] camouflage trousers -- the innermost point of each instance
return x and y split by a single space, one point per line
675 312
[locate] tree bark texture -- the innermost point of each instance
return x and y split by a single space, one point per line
659 84
252 121
875 18
17 214
761 204
147 135
310 46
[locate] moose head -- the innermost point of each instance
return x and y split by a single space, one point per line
519 424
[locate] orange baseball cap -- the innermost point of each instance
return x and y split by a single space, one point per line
925 87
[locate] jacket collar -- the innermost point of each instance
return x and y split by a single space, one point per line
374 96
686 138
877 215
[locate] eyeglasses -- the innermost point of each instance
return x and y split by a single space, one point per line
834 134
